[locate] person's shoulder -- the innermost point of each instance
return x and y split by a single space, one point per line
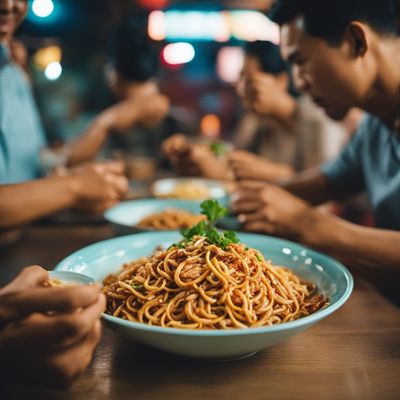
372 128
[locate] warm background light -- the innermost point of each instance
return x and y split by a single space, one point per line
210 126
46 55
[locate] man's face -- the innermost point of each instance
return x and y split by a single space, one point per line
12 13
334 77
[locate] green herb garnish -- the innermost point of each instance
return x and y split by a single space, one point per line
212 210
218 149
137 287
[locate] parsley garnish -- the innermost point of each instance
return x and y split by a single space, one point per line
212 210
217 148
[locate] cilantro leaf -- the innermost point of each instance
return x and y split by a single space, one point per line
231 235
212 210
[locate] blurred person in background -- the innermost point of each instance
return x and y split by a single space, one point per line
281 134
345 54
132 73
91 186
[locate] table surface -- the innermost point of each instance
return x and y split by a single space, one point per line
353 354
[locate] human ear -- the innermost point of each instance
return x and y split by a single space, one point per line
357 36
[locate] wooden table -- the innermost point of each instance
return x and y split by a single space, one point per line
353 354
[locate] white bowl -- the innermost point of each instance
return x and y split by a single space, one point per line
126 215
331 277
216 189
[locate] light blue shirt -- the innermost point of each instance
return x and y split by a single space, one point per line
371 163
21 133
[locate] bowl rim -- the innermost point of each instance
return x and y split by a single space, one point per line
107 214
81 279
214 183
301 322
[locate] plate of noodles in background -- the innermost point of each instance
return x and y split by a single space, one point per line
210 294
153 215
196 189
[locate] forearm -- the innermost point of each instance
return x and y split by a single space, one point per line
25 202
311 186
86 146
370 246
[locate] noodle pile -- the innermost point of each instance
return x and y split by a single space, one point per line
170 220
202 286
188 191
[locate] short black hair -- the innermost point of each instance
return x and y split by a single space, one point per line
131 52
328 19
268 55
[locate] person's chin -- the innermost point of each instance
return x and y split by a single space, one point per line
334 113
337 115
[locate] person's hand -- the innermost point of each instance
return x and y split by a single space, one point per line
269 209
146 111
196 160
98 185
262 93
174 146
47 335
248 166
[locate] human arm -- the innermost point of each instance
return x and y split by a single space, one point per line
337 179
99 184
272 210
47 335
148 111
248 166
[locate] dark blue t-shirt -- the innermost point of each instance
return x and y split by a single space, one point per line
370 162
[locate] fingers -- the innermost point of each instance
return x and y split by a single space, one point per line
53 332
51 365
65 366
257 221
32 276
260 227
174 144
17 305
246 206
110 166
255 186
119 185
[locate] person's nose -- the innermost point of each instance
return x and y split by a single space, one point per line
6 6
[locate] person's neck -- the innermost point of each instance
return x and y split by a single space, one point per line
384 98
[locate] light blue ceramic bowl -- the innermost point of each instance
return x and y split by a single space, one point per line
332 278
126 215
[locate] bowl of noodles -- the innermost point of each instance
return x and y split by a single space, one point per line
196 189
211 296
153 215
